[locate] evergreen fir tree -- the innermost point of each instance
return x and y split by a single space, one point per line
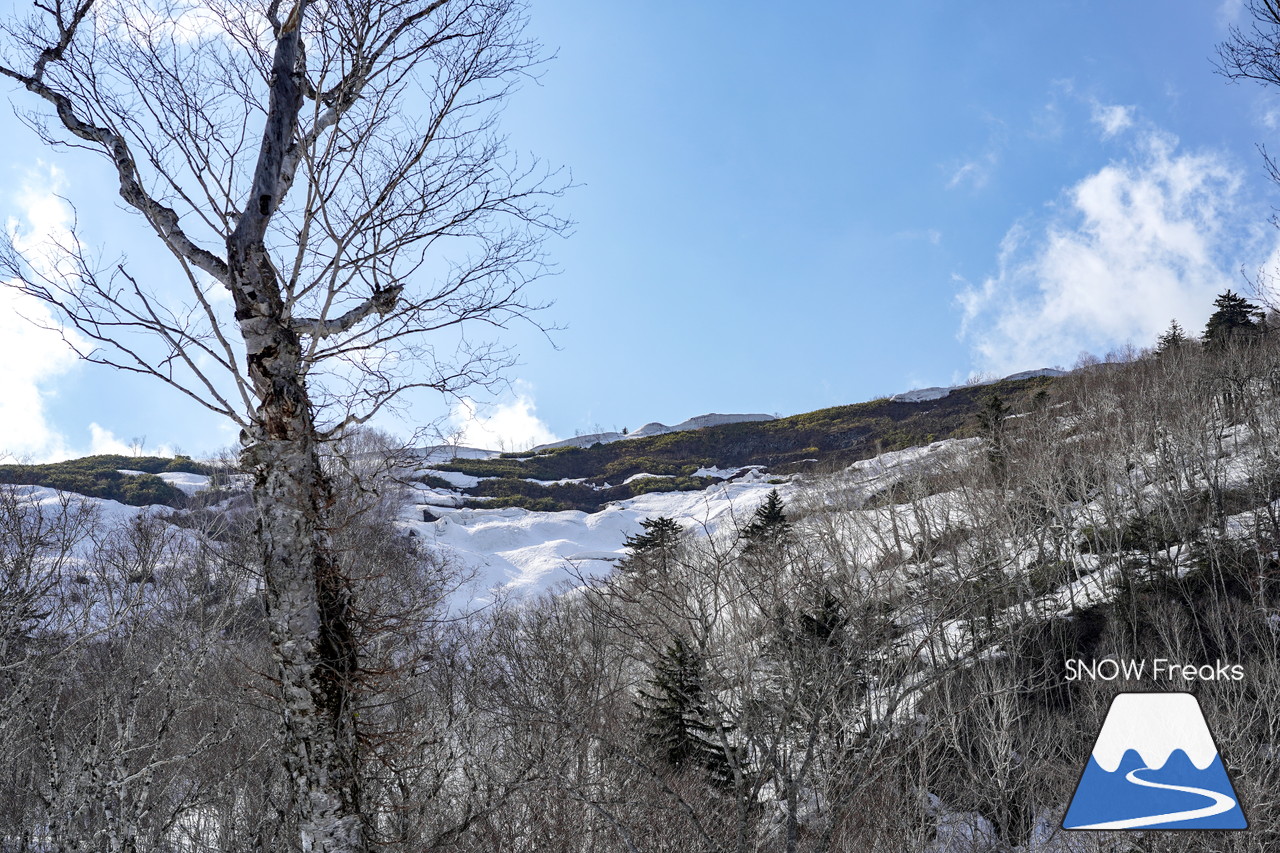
991 419
991 416
655 546
769 524
675 718
659 533
1172 340
1234 318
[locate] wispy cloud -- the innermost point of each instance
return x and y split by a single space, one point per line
103 440
34 354
182 22
1112 118
1267 114
1049 122
1230 12
932 236
975 172
1130 247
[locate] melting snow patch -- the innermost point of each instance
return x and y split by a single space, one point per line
716 472
643 476
518 552
186 483
448 453
564 481
920 395
454 478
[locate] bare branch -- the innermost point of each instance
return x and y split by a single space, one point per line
382 303
162 218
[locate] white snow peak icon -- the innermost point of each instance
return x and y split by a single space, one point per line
1154 766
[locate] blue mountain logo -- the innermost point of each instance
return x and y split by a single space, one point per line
1155 766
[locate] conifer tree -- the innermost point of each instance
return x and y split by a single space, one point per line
769 524
992 415
825 622
991 419
675 718
655 546
659 533
1234 318
1172 339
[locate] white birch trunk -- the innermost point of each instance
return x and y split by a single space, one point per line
308 602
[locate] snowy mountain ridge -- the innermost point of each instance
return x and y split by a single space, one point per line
920 395
655 428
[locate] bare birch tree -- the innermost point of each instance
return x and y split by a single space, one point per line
340 209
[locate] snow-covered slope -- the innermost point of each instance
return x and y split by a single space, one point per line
522 553
186 483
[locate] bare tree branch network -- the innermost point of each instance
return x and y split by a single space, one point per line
341 209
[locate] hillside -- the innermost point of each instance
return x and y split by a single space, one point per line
824 440
131 480
917 625
882 654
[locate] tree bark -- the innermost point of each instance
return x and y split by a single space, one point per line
308 600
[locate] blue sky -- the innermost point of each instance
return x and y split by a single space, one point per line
779 211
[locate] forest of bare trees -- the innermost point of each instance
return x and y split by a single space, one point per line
875 662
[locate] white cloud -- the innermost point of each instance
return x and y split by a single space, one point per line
932 236
513 425
1135 244
33 354
183 22
977 171
32 357
1268 115
103 440
1112 118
